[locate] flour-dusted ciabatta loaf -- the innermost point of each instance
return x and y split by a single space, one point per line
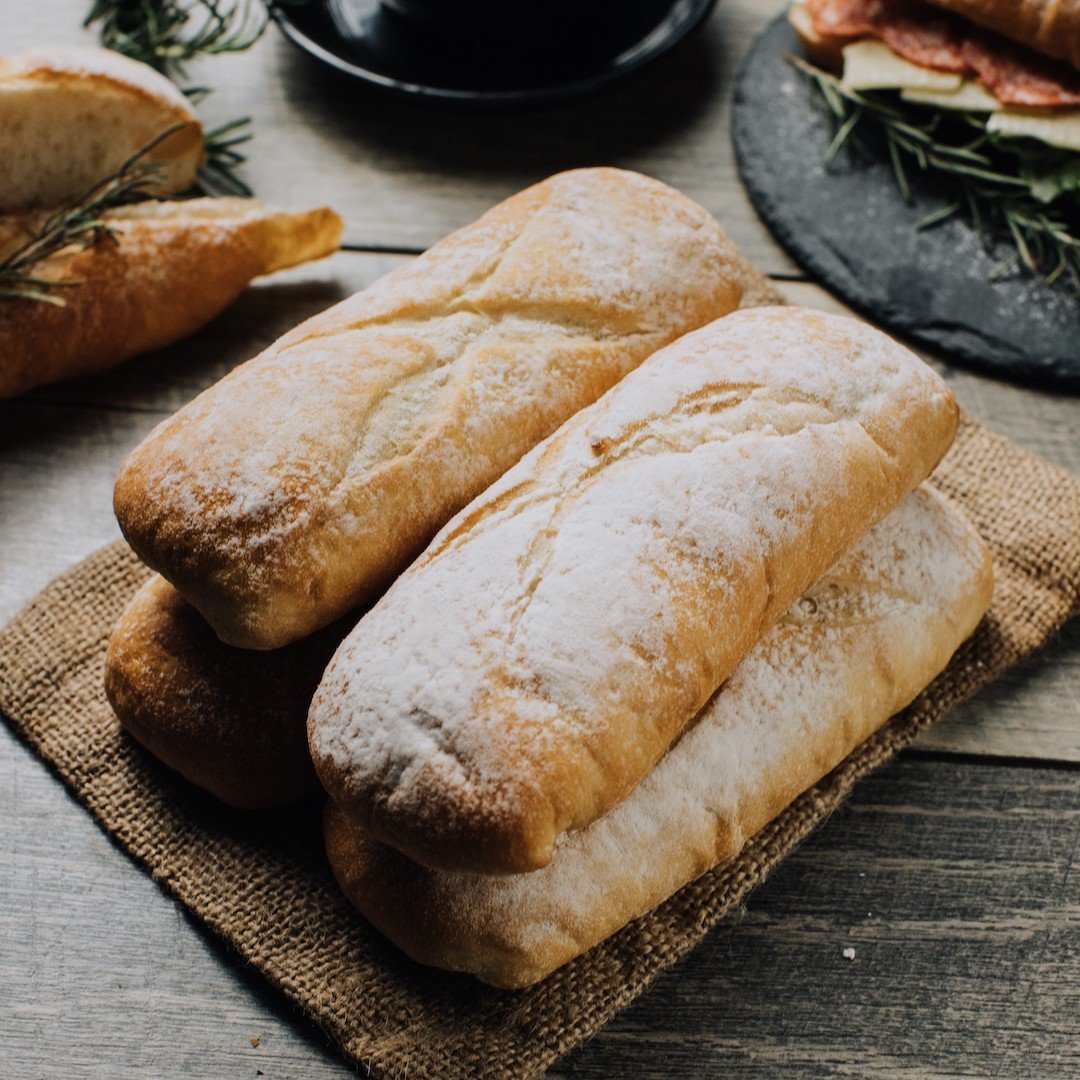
298 487
230 720
542 654
856 648
70 116
171 267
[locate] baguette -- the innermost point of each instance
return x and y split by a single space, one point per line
229 720
298 487
854 650
558 634
173 267
70 116
1051 27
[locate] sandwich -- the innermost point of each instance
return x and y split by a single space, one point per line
994 86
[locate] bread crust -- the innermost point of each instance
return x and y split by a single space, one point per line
547 648
825 51
858 647
173 267
71 115
229 720
299 486
1051 27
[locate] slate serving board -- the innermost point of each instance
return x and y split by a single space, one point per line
850 228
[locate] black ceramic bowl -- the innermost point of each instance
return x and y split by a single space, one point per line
488 52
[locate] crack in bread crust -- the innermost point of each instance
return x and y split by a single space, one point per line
560 632
302 483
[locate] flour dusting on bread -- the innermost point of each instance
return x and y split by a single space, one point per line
532 665
856 648
300 485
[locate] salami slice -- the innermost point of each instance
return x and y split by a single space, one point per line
1014 74
924 37
1019 76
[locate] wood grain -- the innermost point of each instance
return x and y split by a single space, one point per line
954 883
955 886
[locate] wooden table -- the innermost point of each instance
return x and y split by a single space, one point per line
951 873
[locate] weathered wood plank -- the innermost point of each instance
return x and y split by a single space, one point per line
953 883
405 175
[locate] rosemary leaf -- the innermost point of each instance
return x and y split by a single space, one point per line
81 225
898 166
168 35
1018 189
841 136
937 216
218 176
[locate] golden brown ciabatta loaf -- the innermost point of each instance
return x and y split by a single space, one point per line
1049 26
172 268
70 116
852 651
230 720
298 487
539 657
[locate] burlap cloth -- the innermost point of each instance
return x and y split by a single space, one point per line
261 880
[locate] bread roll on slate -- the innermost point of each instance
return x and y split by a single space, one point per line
855 649
230 720
173 267
1049 26
535 662
70 116
298 487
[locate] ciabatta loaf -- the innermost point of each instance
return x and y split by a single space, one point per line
70 116
851 652
298 487
171 268
230 720
542 654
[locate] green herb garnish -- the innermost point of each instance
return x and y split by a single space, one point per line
81 225
167 35
1018 189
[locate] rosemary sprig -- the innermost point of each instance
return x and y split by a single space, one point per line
167 35
1028 195
81 225
217 175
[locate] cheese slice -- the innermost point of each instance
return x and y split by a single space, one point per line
969 97
1061 129
872 65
